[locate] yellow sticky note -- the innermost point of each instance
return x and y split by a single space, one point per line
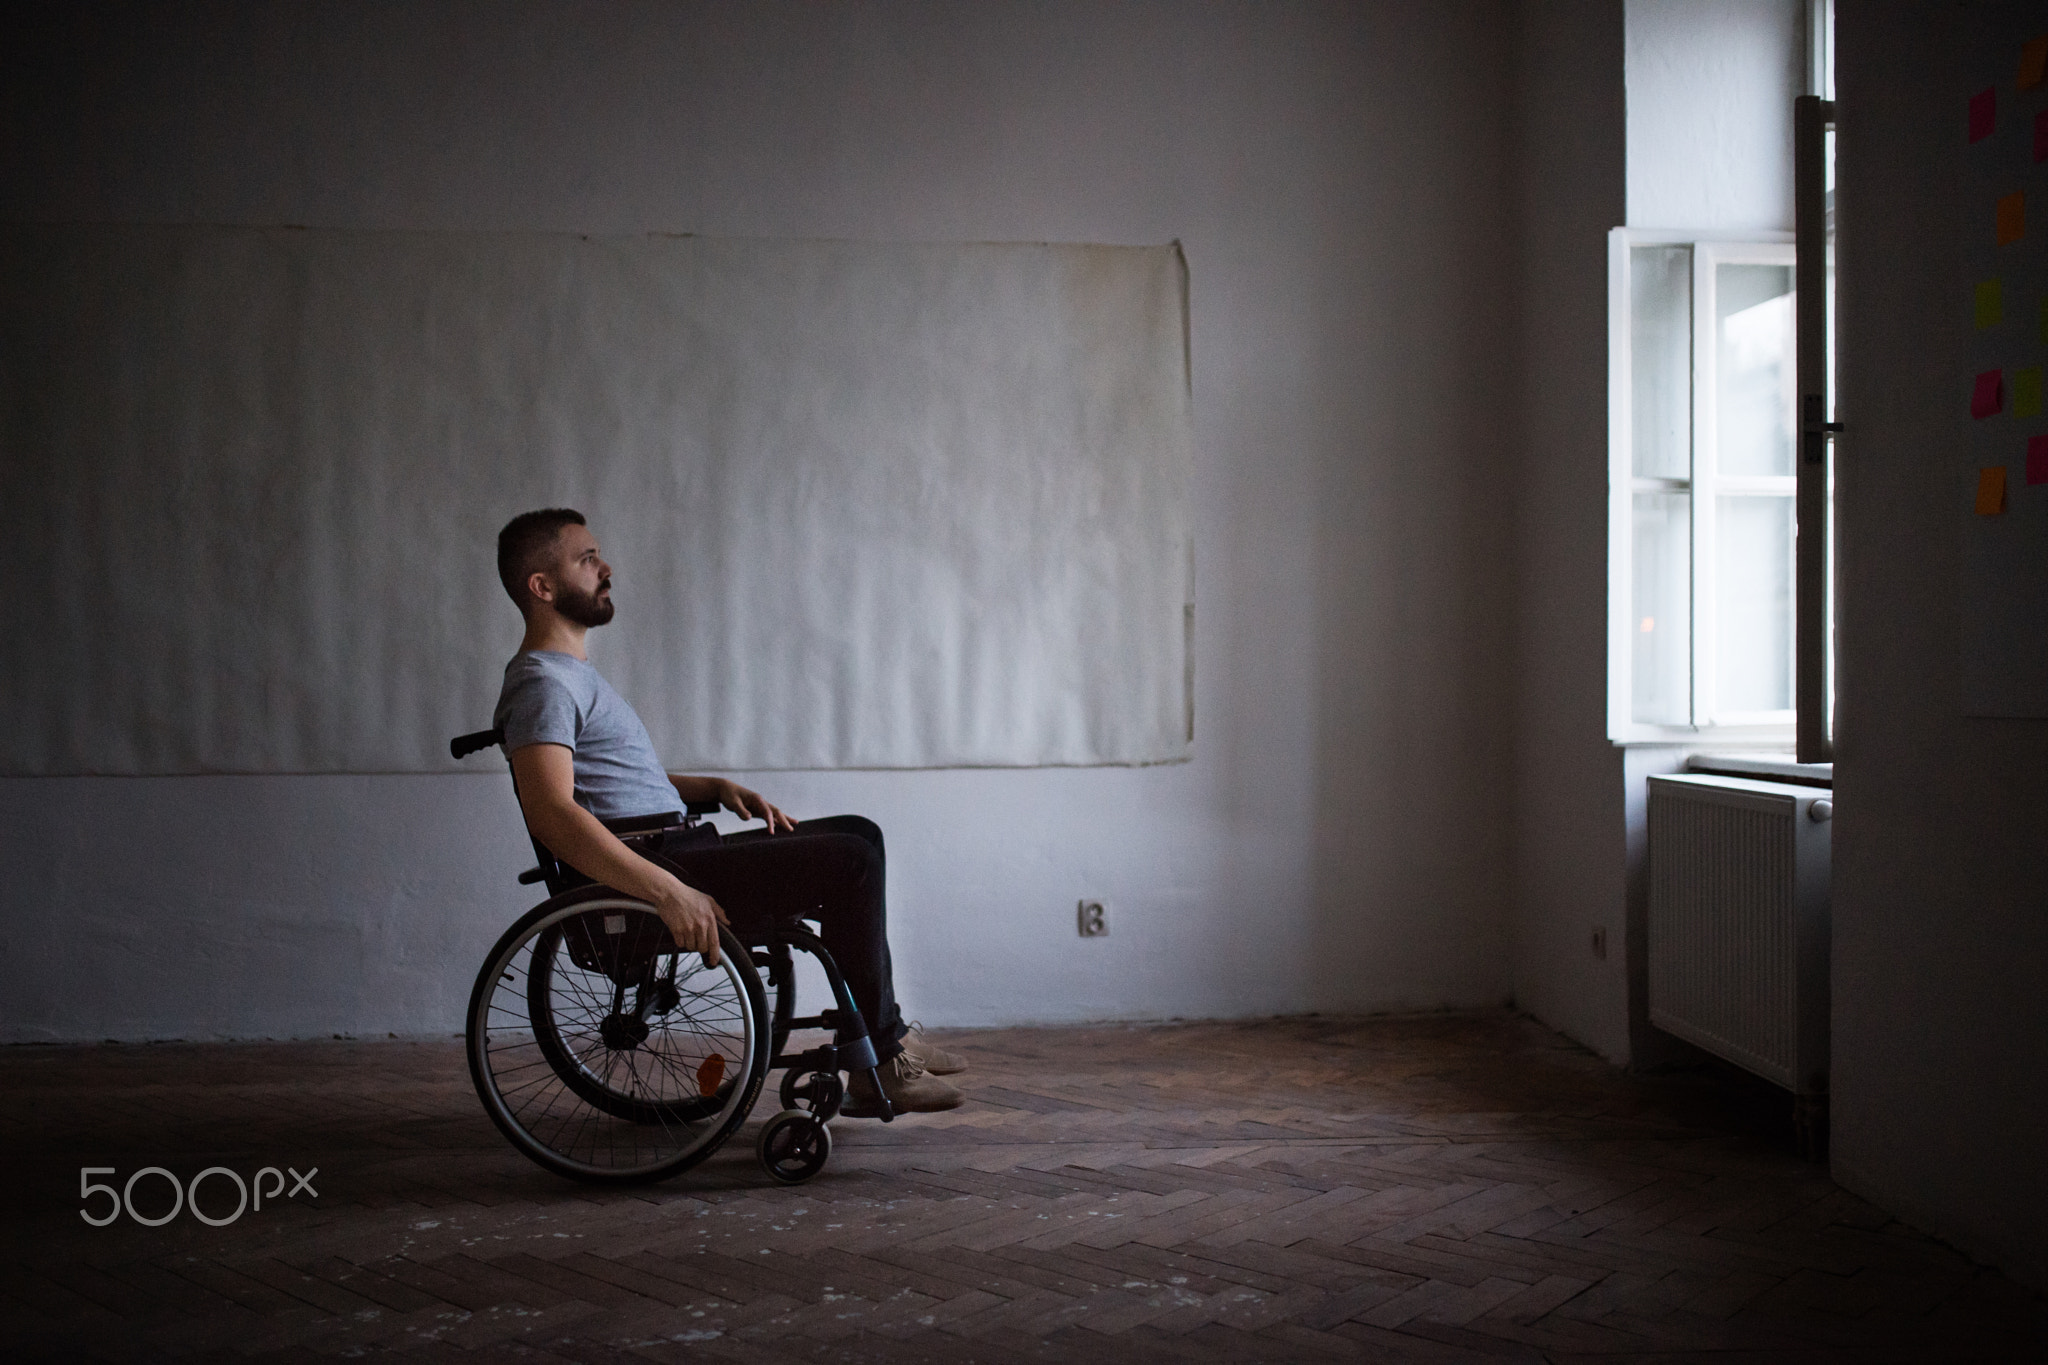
2012 217
1991 491
1989 309
2033 63
2026 392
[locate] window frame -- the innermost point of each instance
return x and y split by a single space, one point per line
1703 485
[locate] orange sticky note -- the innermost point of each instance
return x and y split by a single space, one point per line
711 1070
2012 217
2033 63
1991 491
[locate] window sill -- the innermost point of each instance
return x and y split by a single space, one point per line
1718 737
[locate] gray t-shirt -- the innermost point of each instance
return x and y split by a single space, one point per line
552 698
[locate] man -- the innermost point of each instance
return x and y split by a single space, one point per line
585 764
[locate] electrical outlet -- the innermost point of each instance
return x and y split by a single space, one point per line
1094 916
1600 943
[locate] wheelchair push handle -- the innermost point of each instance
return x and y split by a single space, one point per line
462 746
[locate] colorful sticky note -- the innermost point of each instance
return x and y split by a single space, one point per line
2012 217
1990 311
2026 392
2033 63
2041 136
1983 113
2037 459
1988 398
1991 491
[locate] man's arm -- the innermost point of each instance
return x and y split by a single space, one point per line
731 795
547 794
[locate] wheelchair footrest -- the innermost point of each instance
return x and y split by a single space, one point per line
835 1059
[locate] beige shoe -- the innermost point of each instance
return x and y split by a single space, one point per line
910 1088
936 1059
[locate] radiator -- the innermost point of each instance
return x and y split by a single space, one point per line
1738 927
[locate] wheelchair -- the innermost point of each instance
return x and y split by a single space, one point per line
608 1055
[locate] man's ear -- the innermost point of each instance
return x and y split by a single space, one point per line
539 587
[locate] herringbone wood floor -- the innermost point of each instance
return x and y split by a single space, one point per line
1442 1188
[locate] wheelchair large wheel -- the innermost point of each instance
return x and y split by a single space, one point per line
605 1054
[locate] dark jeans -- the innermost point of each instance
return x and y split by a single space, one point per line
829 870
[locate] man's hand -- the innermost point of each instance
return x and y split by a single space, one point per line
693 919
749 805
746 804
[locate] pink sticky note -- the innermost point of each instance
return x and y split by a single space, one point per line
1983 113
1988 399
2037 459
2041 136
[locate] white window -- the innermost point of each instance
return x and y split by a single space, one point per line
1703 440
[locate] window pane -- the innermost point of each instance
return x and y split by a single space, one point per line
1660 626
1660 360
1754 359
1753 604
1828 159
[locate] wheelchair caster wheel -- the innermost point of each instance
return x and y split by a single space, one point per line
820 1092
794 1146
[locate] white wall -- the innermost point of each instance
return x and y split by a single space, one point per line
1569 826
1710 91
1339 841
1940 1085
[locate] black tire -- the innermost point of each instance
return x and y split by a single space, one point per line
794 1146
578 1100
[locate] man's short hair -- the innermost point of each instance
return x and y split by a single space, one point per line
524 544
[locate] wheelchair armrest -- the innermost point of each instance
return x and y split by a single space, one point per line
700 808
532 875
462 746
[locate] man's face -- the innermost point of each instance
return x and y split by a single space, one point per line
581 580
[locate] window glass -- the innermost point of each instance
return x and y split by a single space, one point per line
1702 485
1753 604
1660 360
1756 378
1660 627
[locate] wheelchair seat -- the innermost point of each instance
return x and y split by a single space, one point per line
606 1054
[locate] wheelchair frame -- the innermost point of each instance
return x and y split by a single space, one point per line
627 951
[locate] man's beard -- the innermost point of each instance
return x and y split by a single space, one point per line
584 608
